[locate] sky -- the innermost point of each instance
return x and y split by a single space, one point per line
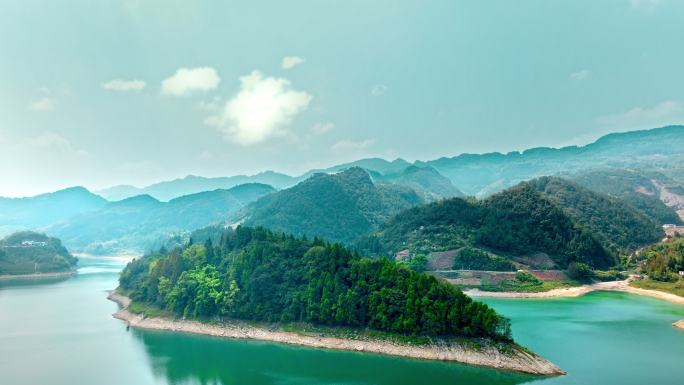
101 93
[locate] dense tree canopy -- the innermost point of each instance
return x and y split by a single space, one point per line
27 252
640 189
615 223
339 207
255 274
665 260
470 258
518 221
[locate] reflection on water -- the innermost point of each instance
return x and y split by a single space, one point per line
60 332
18 282
183 358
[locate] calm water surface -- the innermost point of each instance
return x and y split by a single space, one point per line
61 332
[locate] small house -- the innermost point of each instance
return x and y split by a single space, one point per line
403 255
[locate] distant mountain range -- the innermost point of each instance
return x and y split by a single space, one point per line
634 178
137 223
191 184
658 150
45 209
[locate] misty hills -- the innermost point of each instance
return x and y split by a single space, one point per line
363 194
658 149
136 223
654 150
42 210
337 207
426 180
191 184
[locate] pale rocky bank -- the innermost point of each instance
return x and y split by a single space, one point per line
58 274
679 324
582 290
517 360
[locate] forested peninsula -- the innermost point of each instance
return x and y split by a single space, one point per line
28 254
254 283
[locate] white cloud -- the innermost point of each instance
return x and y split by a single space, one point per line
321 128
205 155
44 104
292 61
352 146
665 113
580 75
124 85
188 80
262 109
54 143
379 90
645 4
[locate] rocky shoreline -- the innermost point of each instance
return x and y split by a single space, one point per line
582 290
517 360
679 324
8 277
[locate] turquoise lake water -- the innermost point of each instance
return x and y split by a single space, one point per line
61 332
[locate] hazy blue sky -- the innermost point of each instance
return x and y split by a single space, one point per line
98 93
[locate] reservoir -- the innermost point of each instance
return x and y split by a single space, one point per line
60 332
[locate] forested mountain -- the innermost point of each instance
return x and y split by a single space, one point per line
652 193
28 252
615 223
337 207
517 222
136 223
427 182
376 165
658 149
42 210
258 275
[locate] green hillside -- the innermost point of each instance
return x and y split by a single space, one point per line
665 260
517 222
640 189
27 252
615 223
427 182
337 207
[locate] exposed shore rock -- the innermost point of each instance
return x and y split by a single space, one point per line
679 324
517 359
8 277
